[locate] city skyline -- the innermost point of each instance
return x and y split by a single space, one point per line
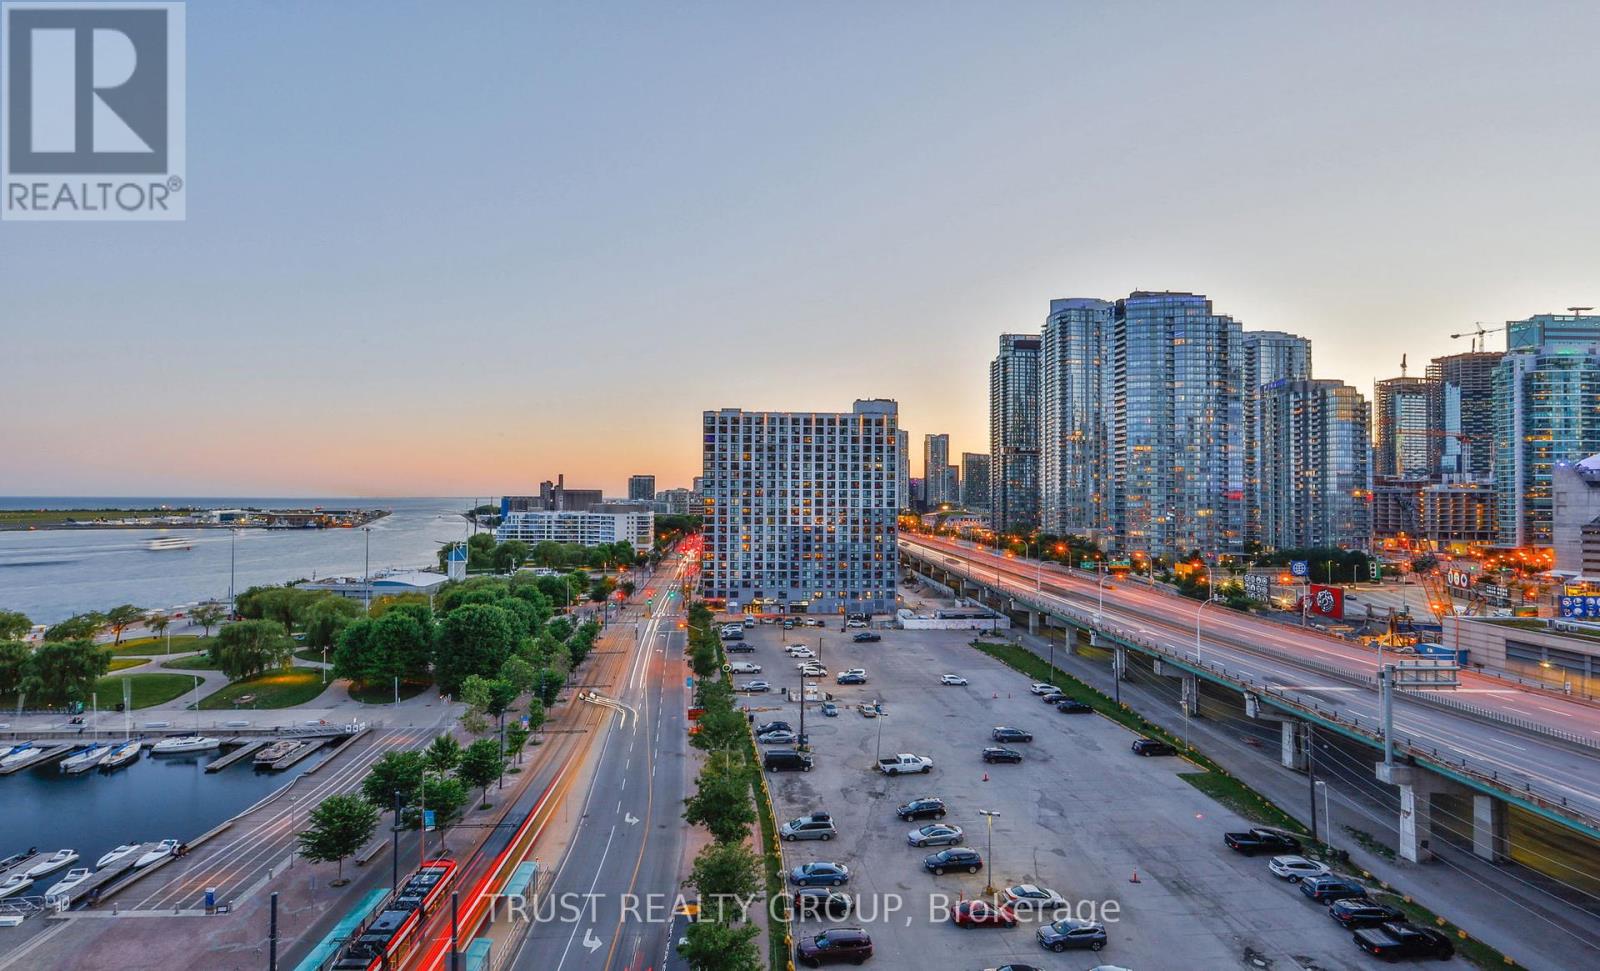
440 318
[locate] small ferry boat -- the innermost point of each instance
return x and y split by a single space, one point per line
169 543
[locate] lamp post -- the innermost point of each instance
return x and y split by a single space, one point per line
324 664
233 542
988 819
366 570
1100 611
1327 817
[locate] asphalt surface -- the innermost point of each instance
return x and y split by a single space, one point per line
1268 653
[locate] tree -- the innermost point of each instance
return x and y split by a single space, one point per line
120 618
723 871
549 686
157 624
481 765
396 645
491 696
80 627
509 555
519 673
61 671
473 639
444 794
627 587
14 626
720 728
715 946
249 647
388 602
516 739
340 825
14 657
721 802
535 714
443 754
395 772
326 618
208 615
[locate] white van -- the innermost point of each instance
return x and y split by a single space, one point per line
744 667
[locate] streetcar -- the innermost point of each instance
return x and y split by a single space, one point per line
385 941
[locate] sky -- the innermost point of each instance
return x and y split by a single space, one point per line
457 248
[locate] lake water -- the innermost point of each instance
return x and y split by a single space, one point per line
51 574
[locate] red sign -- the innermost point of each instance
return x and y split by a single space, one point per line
1327 601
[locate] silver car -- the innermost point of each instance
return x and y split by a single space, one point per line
817 826
936 834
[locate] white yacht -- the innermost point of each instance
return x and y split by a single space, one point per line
53 862
160 852
21 755
120 755
68 883
86 759
119 853
185 743
14 884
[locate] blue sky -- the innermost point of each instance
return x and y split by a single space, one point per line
457 248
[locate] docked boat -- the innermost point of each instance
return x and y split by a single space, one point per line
53 862
70 882
120 755
120 853
14 884
20 755
16 858
185 743
161 852
169 543
85 759
276 751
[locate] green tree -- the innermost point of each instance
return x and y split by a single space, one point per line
79 627
715 946
721 801
443 753
396 645
326 618
481 765
509 555
120 618
549 686
535 714
723 871
395 772
340 825
62 671
208 615
627 587
720 728
444 794
14 657
388 602
473 639
14 626
249 647
519 673
157 624
516 739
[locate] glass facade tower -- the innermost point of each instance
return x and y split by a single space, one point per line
1014 433
1314 469
1072 460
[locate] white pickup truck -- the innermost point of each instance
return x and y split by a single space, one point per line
744 667
904 763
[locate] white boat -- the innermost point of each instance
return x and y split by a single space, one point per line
68 883
86 759
169 543
53 862
20 755
159 853
185 743
120 853
276 751
121 755
14 884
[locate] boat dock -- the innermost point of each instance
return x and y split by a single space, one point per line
50 755
243 751
101 878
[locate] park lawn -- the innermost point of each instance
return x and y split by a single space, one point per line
313 654
119 663
383 694
148 689
272 689
194 662
182 644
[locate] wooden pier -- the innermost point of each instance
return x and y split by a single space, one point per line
311 745
248 748
50 755
100 879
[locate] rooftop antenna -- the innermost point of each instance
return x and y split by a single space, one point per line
1578 311
1402 365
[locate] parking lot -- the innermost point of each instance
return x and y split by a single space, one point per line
1080 815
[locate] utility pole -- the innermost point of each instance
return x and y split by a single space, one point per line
394 847
272 936
455 951
1386 698
1311 773
988 818
366 571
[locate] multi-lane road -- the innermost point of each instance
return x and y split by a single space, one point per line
1297 664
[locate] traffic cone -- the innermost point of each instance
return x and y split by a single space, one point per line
1135 877
986 777
995 696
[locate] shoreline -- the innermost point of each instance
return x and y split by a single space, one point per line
367 517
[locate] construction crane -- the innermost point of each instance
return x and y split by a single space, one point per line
1480 333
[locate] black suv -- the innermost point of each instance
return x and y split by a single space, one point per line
867 637
821 902
1328 888
954 858
834 946
1072 706
1150 746
785 760
1356 912
925 808
996 754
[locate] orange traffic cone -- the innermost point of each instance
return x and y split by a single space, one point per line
1135 877
986 777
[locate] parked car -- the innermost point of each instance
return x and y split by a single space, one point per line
820 873
766 727
1325 890
1028 896
744 667
1003 734
995 753
785 760
835 945
1070 932
1399 939
821 902
740 648
1072 706
749 622
954 858
867 637
1040 688
817 826
927 807
811 669
1256 841
855 623
851 677
1014 967
936 834
1053 696
869 709
788 625
783 736
954 679
799 650
1151 746
1297 868
905 763
830 710
755 687
977 913
1354 912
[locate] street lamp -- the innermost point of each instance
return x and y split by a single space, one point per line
988 819
366 570
1197 613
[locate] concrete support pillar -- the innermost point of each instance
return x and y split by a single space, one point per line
1294 753
1416 786
1189 697
1489 828
1033 622
1094 640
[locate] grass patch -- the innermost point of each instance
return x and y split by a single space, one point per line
1240 798
771 861
274 689
383 694
120 663
194 662
148 689
158 645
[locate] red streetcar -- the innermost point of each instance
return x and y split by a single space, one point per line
386 939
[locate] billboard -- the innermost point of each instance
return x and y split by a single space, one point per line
1300 568
1587 605
1327 601
1258 586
